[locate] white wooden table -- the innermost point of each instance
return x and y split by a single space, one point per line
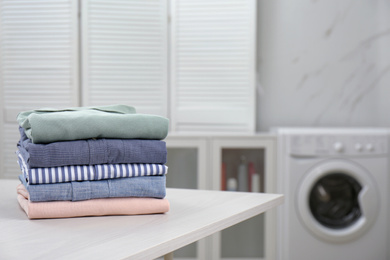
194 214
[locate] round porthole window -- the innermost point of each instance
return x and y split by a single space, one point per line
333 200
337 201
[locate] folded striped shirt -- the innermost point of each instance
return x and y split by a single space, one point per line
88 172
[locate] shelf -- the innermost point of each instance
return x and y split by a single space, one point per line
197 162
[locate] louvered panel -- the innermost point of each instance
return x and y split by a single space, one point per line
38 64
125 54
138 98
213 65
39 53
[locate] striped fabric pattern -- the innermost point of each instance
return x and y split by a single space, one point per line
89 172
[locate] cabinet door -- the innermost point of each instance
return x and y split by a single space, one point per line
124 54
213 65
245 164
187 166
38 65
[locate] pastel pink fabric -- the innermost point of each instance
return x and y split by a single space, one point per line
94 207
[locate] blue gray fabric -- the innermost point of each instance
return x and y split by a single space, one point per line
147 186
91 151
89 172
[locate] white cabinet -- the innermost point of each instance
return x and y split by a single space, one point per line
191 61
248 162
38 65
208 162
187 169
187 160
213 68
125 54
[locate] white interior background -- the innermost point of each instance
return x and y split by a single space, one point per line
319 63
323 63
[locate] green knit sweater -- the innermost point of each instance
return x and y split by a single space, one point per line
48 125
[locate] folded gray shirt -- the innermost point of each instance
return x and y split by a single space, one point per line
91 152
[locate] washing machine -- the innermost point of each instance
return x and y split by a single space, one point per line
335 183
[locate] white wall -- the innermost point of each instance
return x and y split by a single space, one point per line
324 63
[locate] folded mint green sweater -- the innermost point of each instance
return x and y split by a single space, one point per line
48 125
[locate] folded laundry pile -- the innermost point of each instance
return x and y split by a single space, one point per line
91 161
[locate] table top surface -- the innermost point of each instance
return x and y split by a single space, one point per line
194 214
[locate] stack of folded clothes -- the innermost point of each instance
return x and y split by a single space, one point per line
91 161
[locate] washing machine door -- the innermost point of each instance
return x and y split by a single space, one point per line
338 201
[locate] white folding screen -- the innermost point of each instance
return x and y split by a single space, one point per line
213 65
199 70
124 54
38 65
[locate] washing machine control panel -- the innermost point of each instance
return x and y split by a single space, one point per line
311 145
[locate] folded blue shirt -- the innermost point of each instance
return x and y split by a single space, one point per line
147 186
89 172
91 152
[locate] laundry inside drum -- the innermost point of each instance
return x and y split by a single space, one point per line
334 202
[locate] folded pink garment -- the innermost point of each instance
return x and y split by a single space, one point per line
94 207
